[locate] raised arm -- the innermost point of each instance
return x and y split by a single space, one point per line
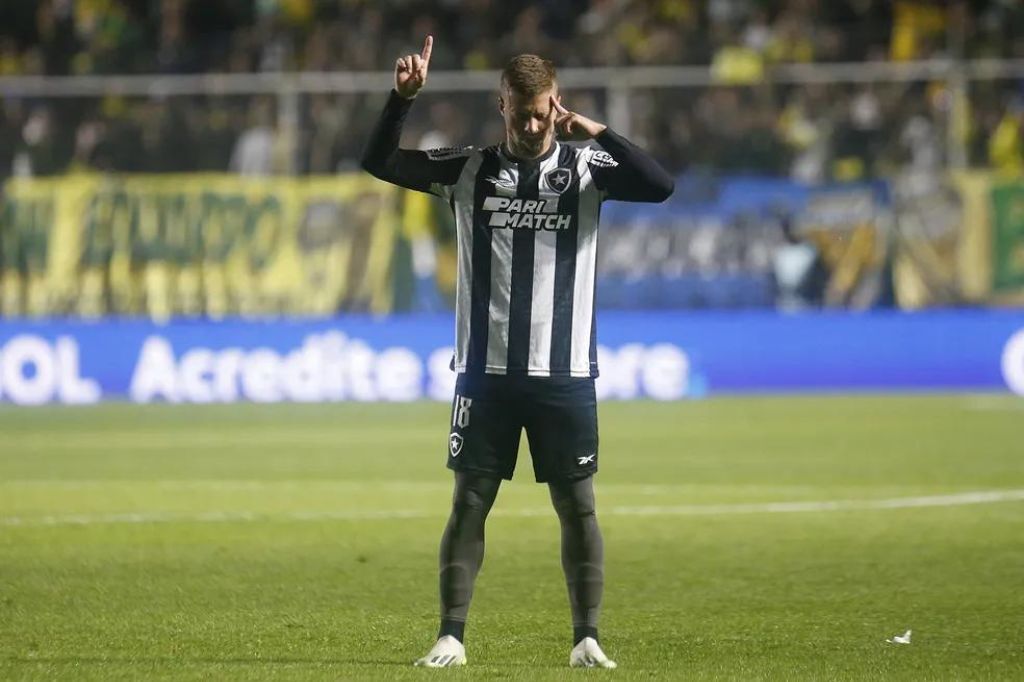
424 171
625 172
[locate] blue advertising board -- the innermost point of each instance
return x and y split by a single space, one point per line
658 355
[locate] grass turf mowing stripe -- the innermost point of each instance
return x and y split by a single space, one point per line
952 500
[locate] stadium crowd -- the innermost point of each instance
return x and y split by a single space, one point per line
743 123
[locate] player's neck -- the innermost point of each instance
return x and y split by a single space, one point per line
517 154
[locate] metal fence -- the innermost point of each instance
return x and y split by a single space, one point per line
660 106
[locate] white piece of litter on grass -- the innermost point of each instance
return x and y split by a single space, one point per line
900 639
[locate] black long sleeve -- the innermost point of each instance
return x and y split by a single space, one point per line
628 173
408 168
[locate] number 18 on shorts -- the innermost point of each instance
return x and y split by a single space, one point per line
460 421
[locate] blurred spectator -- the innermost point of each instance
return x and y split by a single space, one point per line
793 35
806 128
254 151
798 271
57 40
735 63
1006 147
920 141
919 28
39 153
858 138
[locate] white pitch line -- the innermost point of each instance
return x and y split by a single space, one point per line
206 517
226 485
993 403
158 440
952 500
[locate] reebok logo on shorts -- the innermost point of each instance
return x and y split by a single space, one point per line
586 459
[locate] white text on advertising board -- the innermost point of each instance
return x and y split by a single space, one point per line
1013 363
332 367
34 371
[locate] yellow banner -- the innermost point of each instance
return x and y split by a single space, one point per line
193 245
961 243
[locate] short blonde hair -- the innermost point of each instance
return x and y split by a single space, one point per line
528 75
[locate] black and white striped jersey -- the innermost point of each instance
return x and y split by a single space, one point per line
527 240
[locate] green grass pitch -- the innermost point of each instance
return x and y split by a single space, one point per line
299 542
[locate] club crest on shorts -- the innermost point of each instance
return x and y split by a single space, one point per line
455 444
559 179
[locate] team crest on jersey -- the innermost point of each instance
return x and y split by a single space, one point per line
455 444
559 179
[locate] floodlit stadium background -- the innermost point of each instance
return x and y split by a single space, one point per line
195 165
827 316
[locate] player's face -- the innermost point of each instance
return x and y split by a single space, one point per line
529 122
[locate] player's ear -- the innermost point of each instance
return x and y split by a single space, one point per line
501 105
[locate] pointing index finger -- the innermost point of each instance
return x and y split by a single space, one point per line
558 106
428 45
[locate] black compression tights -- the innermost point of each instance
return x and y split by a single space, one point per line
462 549
582 553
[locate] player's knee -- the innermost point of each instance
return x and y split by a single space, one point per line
469 503
473 497
572 503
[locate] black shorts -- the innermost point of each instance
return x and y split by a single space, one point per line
559 414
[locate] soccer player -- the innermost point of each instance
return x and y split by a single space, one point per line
526 352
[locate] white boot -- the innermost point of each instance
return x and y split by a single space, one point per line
447 651
588 654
